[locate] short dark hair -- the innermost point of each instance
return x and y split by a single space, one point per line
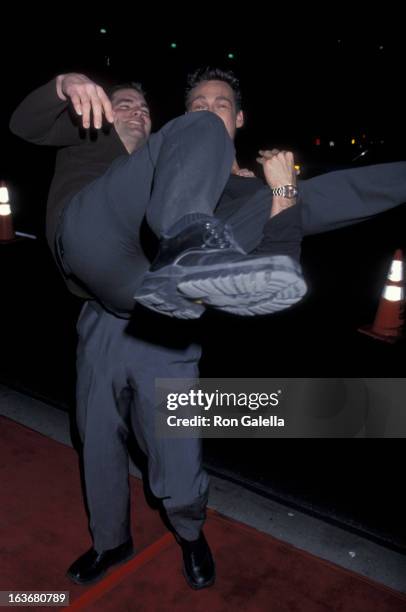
213 74
129 85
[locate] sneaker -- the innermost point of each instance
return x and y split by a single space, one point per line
203 265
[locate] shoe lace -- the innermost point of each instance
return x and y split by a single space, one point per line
218 236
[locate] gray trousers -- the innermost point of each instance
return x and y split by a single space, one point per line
116 373
181 171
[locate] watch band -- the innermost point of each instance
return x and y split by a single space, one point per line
286 191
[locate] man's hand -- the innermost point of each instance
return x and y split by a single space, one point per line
279 167
244 172
279 170
87 98
241 171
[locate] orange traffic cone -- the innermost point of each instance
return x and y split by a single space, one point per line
6 220
388 324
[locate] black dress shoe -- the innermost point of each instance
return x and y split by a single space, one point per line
198 565
203 265
92 566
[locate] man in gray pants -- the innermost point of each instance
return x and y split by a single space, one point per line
95 217
116 374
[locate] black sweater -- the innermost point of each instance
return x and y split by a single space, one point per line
83 155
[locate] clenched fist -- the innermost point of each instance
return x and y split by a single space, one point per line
279 167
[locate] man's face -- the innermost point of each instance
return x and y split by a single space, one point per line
217 97
131 116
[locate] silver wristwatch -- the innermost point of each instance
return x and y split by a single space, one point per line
286 191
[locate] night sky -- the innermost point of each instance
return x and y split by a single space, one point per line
300 78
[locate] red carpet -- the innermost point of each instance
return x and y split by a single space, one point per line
44 528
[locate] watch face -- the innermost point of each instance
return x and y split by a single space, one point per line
290 191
